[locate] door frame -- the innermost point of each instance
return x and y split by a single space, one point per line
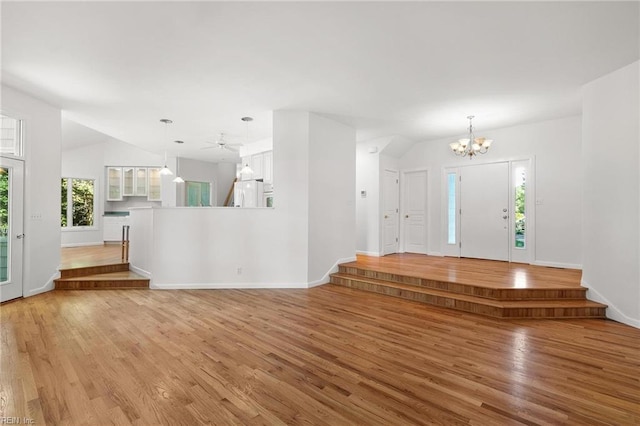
530 205
15 254
403 207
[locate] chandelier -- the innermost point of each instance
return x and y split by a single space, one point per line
470 146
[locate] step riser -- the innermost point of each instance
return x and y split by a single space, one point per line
466 306
470 290
420 297
100 284
94 270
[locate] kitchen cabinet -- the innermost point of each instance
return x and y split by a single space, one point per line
128 177
141 181
112 227
154 188
267 166
257 161
114 183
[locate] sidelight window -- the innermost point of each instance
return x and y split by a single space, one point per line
520 210
451 210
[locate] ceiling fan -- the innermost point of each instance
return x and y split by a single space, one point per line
222 144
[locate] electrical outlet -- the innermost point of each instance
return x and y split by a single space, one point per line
36 217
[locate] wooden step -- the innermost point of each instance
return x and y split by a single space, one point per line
109 280
562 308
93 270
549 292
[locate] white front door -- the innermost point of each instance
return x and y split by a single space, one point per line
11 228
415 211
390 202
484 218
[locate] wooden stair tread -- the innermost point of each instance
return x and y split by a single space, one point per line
110 276
569 303
443 277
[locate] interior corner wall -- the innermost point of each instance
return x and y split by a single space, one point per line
42 141
367 201
611 194
331 195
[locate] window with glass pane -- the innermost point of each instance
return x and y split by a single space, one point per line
78 201
520 216
198 194
4 223
10 136
451 211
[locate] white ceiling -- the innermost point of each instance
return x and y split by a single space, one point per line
414 69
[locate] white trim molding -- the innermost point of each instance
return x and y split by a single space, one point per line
333 269
225 286
556 264
48 286
612 311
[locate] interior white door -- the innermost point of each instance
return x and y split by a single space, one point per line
390 196
415 211
11 228
484 217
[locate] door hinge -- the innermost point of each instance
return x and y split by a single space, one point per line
396 239
460 211
396 180
460 244
396 210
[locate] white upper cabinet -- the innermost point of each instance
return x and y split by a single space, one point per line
141 181
128 177
267 167
155 188
114 184
257 165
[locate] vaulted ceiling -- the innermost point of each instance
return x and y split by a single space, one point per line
414 69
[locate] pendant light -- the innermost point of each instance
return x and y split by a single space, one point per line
165 171
246 170
178 178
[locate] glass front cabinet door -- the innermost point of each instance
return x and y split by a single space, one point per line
114 184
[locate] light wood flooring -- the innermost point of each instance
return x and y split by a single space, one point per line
325 356
79 257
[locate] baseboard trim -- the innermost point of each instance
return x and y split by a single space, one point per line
140 271
556 264
49 285
99 243
369 253
435 253
612 311
333 269
226 286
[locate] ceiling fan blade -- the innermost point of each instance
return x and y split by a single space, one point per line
227 147
207 147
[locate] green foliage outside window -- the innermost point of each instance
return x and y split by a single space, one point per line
4 201
520 214
82 201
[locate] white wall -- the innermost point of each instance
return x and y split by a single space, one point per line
611 194
332 157
42 136
256 247
86 163
368 207
555 145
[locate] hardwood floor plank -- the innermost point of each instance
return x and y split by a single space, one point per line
327 355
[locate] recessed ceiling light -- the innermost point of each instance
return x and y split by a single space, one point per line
246 119
178 141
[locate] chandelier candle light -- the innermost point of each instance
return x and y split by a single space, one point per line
470 146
